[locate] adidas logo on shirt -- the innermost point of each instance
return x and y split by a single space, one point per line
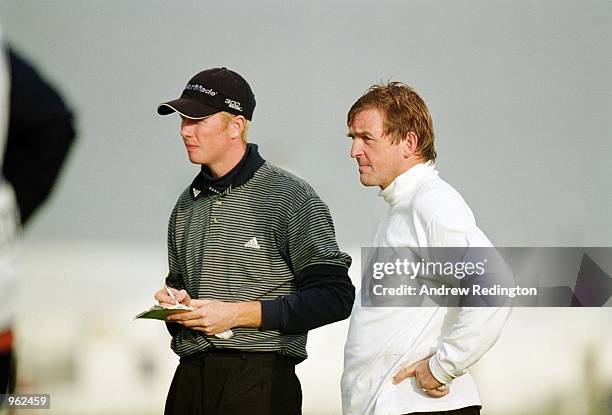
252 243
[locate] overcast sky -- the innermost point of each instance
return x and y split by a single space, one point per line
520 94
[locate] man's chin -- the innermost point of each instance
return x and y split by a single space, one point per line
366 181
196 160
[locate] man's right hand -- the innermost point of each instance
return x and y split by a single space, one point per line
424 379
165 300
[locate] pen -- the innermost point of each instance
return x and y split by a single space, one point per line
170 294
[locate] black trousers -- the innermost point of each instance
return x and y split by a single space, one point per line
235 383
470 410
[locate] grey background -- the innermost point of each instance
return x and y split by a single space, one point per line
521 97
520 94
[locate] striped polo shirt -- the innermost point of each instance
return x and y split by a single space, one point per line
247 243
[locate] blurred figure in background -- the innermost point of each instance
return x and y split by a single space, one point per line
40 133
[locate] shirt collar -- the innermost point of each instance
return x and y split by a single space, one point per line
237 176
407 182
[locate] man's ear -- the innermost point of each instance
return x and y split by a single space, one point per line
236 126
409 144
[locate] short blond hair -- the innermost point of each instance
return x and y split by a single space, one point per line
227 118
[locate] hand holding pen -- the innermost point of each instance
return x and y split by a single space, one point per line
169 297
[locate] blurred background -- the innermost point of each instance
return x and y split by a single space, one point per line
521 97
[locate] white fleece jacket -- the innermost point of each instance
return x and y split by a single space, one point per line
424 211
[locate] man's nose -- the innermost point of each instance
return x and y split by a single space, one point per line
356 149
186 130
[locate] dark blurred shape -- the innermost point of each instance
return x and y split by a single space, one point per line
40 134
593 286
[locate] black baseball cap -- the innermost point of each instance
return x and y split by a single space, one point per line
211 91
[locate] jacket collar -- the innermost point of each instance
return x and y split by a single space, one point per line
407 182
239 175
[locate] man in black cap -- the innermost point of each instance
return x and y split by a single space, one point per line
252 248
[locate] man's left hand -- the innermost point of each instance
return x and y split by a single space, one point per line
425 380
211 316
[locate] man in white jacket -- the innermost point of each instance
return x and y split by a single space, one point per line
404 360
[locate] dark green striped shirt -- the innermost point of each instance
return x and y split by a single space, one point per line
253 242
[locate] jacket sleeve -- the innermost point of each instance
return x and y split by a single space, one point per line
325 293
475 329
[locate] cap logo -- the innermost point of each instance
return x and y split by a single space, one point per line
233 104
200 88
